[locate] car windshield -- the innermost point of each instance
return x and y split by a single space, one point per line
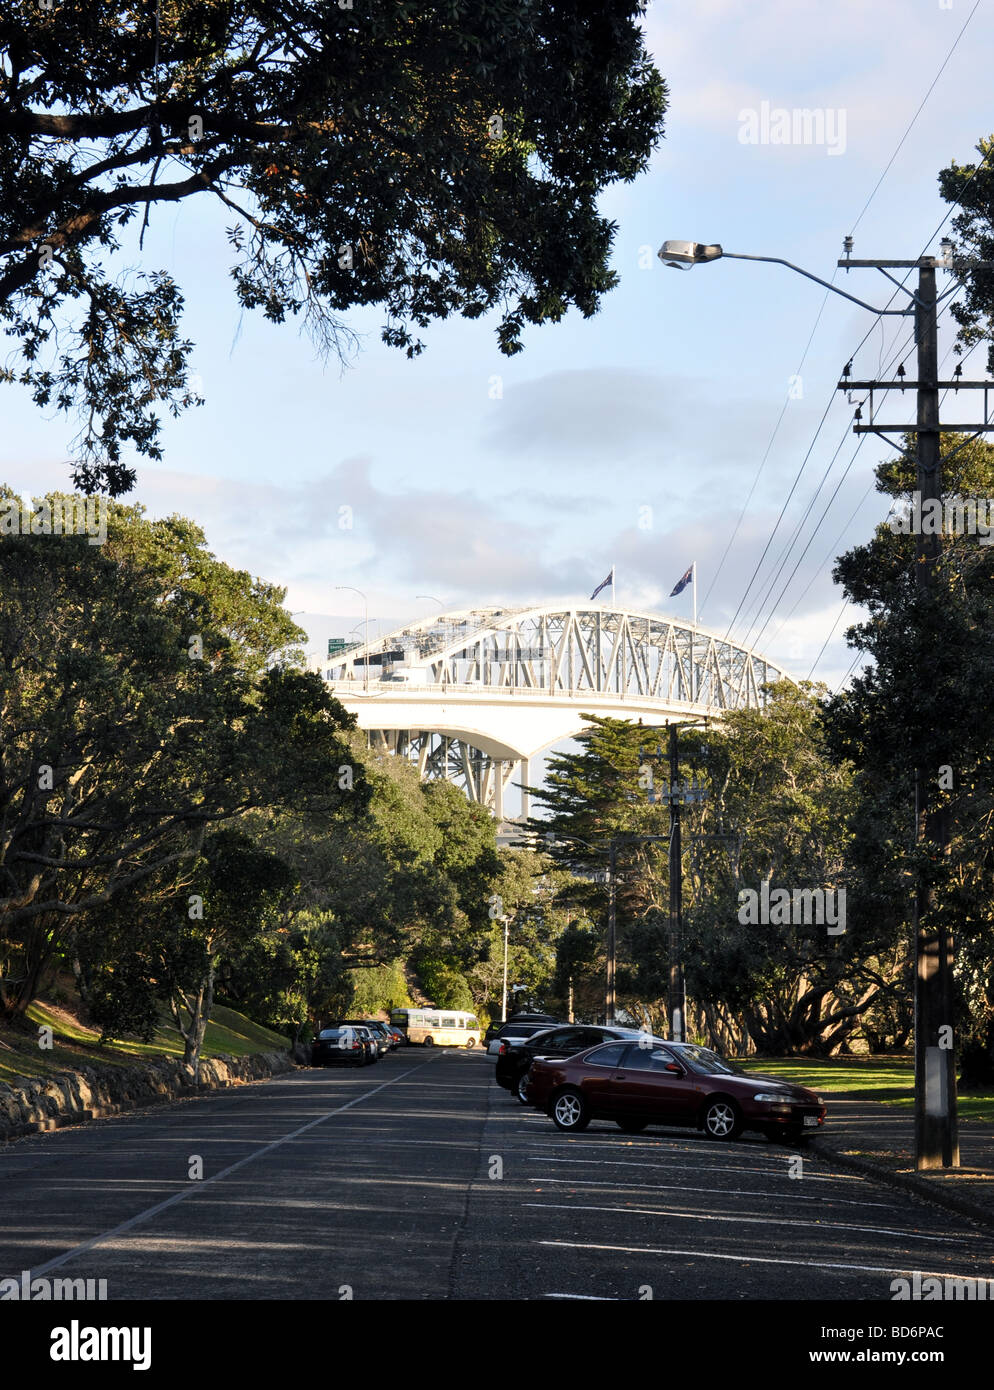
703 1059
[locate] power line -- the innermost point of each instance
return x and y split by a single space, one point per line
818 568
797 479
785 553
949 212
828 639
860 652
914 118
831 553
769 445
859 218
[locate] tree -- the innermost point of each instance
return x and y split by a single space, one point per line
971 187
776 812
526 893
595 796
429 158
243 888
143 703
925 702
775 809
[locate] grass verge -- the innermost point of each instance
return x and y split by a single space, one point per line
75 1045
887 1079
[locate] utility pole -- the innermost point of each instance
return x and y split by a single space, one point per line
936 1124
676 1003
676 992
612 933
936 1131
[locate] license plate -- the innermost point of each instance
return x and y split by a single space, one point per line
811 1119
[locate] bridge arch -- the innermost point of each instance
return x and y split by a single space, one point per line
474 694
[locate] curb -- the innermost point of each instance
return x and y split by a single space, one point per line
918 1187
149 1086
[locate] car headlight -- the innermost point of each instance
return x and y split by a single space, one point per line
773 1098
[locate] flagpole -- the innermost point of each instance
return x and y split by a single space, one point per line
613 604
693 637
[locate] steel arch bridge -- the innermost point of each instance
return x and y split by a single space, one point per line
473 695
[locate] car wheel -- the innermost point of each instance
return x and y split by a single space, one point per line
429 1042
569 1111
722 1119
470 1042
631 1126
519 1089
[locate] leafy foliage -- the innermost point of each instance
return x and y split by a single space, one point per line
926 702
430 157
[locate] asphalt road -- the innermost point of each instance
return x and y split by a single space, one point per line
419 1178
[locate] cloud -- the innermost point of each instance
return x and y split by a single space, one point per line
603 417
590 414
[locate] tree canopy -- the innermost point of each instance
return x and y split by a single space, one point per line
429 157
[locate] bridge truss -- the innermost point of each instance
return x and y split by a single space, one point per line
595 658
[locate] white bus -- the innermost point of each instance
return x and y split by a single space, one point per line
437 1027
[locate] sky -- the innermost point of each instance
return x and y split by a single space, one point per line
644 437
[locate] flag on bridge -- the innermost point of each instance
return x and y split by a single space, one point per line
604 583
682 583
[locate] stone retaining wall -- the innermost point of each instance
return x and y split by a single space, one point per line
32 1104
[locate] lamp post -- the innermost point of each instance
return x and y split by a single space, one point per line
365 623
503 992
675 797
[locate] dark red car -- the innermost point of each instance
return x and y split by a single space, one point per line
642 1083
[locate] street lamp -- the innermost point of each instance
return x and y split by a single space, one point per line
681 254
506 921
365 621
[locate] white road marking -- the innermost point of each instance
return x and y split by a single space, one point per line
745 1220
199 1186
584 1297
753 1259
630 1163
714 1191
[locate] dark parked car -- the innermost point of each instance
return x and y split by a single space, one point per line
358 1032
543 1020
379 1040
515 1056
515 1032
389 1037
340 1045
671 1084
